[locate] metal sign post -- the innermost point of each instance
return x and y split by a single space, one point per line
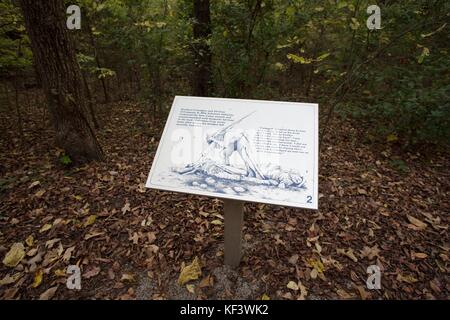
234 219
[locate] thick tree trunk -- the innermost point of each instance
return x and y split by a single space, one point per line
90 101
56 63
202 51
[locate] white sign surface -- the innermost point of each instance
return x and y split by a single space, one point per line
249 150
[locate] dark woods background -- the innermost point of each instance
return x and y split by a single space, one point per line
393 81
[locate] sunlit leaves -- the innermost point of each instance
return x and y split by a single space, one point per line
15 254
354 24
190 272
298 59
425 53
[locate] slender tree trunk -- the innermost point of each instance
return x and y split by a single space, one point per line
97 59
202 51
18 112
56 63
138 77
158 78
313 66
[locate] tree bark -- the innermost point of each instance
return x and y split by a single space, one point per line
56 63
97 59
202 51
90 100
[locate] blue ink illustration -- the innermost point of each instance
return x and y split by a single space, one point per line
215 172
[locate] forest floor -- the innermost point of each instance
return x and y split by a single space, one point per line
130 242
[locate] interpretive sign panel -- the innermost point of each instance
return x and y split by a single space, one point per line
249 150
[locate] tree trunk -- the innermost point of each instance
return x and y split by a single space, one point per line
97 59
18 112
56 63
202 51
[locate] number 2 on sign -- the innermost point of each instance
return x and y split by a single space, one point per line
309 199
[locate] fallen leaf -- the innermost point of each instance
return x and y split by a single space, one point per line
293 286
90 220
134 238
127 277
32 252
265 297
92 272
287 295
14 255
293 260
48 294
57 221
152 249
37 279
317 265
408 278
142 188
318 248
363 293
60 273
370 252
303 291
190 272
435 285
206 282
344 294
416 222
10 293
36 259
190 288
9 279
68 254
362 191
126 208
50 243
216 222
278 240
45 227
348 253
391 138
29 240
39 194
419 255
34 184
111 274
92 235
151 237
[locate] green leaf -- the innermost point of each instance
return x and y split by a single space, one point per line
354 24
323 56
298 59
65 160
425 53
391 138
342 4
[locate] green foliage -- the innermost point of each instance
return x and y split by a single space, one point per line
65 160
407 93
15 53
393 81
